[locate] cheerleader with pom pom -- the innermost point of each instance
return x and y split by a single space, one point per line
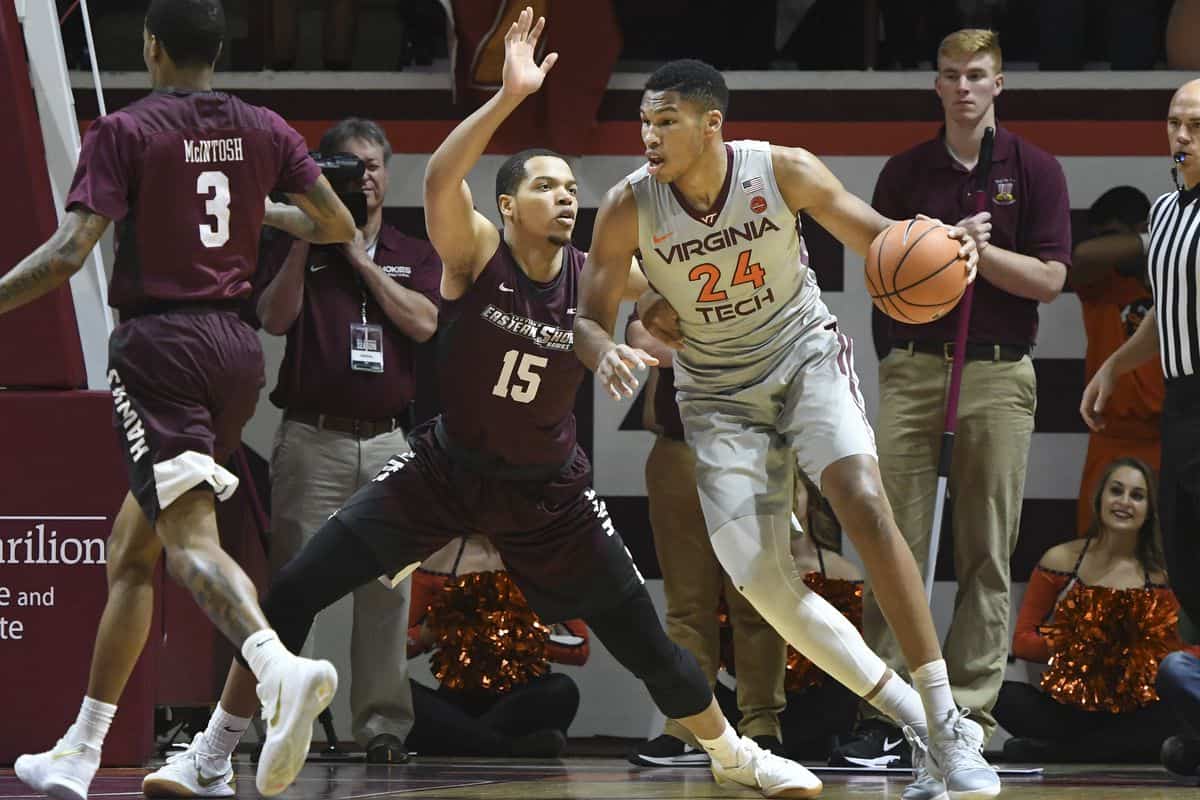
491 655
1098 612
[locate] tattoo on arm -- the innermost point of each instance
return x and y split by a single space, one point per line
60 257
318 215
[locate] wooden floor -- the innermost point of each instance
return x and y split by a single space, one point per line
610 779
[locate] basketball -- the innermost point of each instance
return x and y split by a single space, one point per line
914 273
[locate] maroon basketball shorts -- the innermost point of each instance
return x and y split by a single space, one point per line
555 536
184 383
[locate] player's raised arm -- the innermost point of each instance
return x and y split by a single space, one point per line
602 285
59 257
318 216
464 238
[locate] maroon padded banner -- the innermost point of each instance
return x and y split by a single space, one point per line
39 343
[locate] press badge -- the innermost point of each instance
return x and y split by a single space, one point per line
366 347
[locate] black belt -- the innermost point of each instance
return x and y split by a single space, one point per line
976 351
361 428
488 464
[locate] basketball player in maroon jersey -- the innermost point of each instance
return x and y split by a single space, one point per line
184 173
502 460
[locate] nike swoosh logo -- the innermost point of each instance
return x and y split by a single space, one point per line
888 744
505 288
66 753
874 763
234 730
664 237
570 311
207 782
317 267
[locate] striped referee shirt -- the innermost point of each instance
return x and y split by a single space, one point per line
1173 263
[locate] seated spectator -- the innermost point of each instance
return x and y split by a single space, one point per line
1108 273
1179 685
1099 612
491 654
818 707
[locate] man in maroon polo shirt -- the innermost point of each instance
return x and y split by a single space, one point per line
353 314
1024 263
184 173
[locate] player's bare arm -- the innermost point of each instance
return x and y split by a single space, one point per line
59 257
603 283
637 336
464 238
808 185
280 303
1137 350
317 216
660 319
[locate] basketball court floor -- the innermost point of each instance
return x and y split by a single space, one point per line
614 779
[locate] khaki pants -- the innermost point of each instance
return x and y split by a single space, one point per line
995 423
692 581
313 472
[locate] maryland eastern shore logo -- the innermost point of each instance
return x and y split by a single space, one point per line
543 334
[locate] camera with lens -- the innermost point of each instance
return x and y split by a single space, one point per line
344 173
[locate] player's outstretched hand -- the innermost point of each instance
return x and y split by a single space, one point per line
660 319
616 368
522 74
1095 398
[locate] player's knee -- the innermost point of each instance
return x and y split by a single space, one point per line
130 565
856 495
746 548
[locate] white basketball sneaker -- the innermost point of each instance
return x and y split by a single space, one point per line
925 785
292 695
772 775
64 773
189 774
956 757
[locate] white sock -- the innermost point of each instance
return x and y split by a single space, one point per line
261 649
91 726
933 684
222 735
725 749
902 703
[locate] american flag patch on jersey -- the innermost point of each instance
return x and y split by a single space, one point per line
753 185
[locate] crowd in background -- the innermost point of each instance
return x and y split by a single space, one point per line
785 34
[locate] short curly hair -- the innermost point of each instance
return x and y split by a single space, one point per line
694 80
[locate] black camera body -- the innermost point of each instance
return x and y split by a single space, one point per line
344 173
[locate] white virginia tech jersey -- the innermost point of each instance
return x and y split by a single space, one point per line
738 277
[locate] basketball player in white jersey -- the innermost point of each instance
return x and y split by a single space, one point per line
764 377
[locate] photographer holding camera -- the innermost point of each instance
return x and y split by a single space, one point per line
353 314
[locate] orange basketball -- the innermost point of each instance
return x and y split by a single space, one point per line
914 272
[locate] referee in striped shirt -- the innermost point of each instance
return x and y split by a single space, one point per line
1171 330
